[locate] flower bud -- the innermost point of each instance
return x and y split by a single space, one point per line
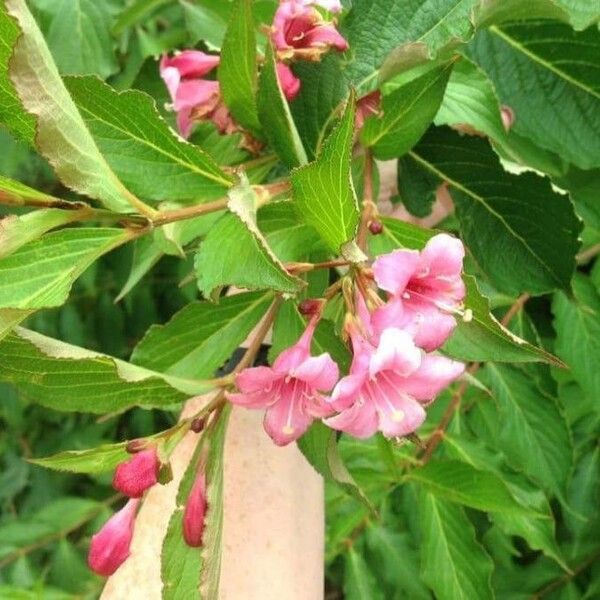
309 307
134 476
375 227
110 546
135 446
194 513
507 114
198 424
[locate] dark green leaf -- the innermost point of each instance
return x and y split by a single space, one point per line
359 581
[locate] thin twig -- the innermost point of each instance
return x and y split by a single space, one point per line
368 205
587 255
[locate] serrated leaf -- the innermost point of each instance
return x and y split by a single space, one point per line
141 148
238 69
70 378
18 194
548 60
417 187
275 116
61 135
41 273
517 250
359 581
320 448
407 112
453 564
534 435
323 190
462 483
93 460
200 337
236 253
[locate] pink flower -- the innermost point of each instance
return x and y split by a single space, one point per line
290 389
297 25
289 83
195 98
388 386
426 288
110 546
194 513
134 476
367 106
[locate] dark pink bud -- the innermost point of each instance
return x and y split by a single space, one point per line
110 546
134 476
194 513
198 424
375 227
289 83
309 307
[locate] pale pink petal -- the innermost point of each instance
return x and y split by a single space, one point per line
360 420
325 35
295 355
320 372
290 84
433 330
396 352
191 63
285 421
185 123
398 413
196 93
443 256
255 379
346 391
171 77
260 399
391 314
393 271
317 406
434 374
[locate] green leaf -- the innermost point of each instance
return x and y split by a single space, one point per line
319 446
61 134
238 69
453 564
359 581
81 24
41 273
141 148
547 60
18 194
68 378
94 460
323 190
399 234
135 12
203 23
236 253
275 116
522 233
407 112
417 187
534 435
202 336
462 483
577 324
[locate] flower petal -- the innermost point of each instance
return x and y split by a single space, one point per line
252 400
320 372
396 352
256 378
285 421
191 63
346 391
360 420
434 374
443 255
393 271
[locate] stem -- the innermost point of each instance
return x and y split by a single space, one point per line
368 206
587 255
557 583
305 267
189 212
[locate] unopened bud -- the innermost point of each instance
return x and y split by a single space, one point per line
134 476
507 114
376 227
194 513
198 424
135 446
110 546
309 307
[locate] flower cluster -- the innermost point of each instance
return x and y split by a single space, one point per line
392 376
110 547
299 31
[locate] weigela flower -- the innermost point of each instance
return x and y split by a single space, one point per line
289 83
298 25
426 289
290 389
134 476
110 546
388 385
195 512
195 98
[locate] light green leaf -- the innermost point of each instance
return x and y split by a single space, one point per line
141 148
203 23
94 460
547 60
534 435
135 12
323 190
359 581
236 253
407 112
460 482
41 273
18 194
522 233
238 69
453 564
61 135
68 378
202 336
276 118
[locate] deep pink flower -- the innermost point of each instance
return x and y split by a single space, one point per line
289 390
426 289
134 476
297 25
388 386
289 83
110 546
195 512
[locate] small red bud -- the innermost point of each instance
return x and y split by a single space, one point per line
134 476
375 227
198 424
194 513
309 307
135 446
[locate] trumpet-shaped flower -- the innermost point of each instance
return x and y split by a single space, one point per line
290 389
